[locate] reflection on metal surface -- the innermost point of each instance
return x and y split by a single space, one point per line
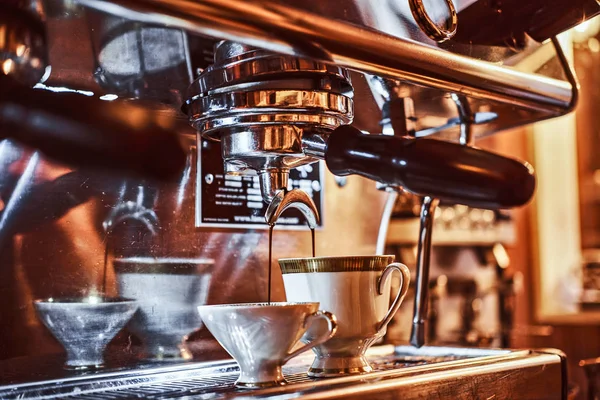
483 117
466 118
136 202
61 89
262 25
140 61
82 131
297 199
403 373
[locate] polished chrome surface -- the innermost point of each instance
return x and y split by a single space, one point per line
273 181
168 291
303 105
314 145
261 337
297 199
402 373
317 37
137 61
417 335
235 64
466 118
261 104
135 204
85 326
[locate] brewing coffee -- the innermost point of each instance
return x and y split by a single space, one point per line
262 337
312 234
270 260
357 290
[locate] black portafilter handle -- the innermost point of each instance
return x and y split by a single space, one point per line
448 171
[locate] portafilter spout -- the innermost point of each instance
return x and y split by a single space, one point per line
297 199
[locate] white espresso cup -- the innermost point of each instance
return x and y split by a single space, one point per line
357 290
262 337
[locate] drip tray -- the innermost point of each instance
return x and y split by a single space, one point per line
399 372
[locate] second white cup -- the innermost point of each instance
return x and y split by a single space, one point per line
357 290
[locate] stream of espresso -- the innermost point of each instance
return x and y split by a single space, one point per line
312 234
270 260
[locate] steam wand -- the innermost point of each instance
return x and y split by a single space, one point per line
417 335
281 201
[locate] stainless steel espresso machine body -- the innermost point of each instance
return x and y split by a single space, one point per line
147 144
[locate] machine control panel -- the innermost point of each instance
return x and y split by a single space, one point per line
228 201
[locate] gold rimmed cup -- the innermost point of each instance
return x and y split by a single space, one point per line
335 264
357 290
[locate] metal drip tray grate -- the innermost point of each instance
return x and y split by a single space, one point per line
210 386
216 380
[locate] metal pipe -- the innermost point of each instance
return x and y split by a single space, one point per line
466 118
417 335
287 30
294 198
569 73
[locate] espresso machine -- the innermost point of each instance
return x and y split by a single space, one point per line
160 138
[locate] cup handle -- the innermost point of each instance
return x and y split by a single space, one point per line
331 329
404 283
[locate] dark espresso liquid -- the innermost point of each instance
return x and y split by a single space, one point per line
106 248
312 234
270 261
